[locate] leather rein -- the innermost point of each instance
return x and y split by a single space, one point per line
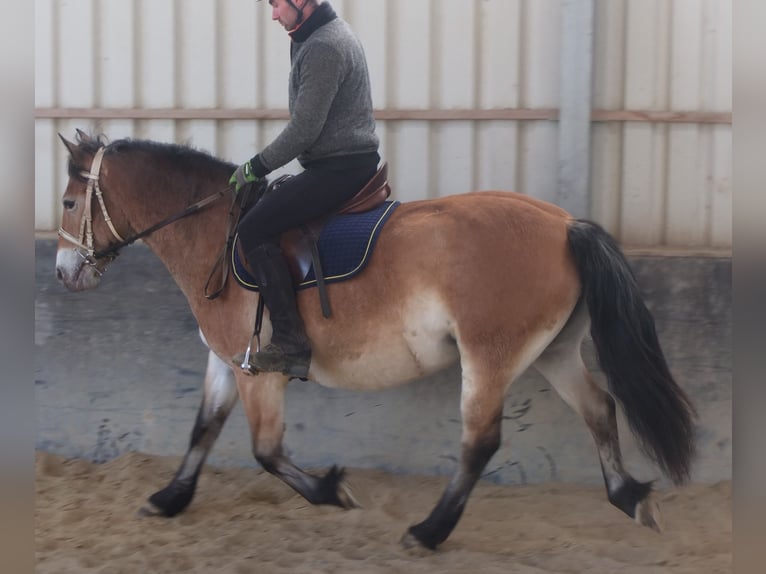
85 240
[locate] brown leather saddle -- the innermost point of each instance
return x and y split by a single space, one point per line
299 245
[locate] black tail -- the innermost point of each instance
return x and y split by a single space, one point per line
658 411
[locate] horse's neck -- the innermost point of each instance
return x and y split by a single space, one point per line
190 246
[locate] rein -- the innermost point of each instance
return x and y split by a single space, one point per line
85 239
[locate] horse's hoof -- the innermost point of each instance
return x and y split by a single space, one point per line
410 542
648 514
149 510
346 497
171 500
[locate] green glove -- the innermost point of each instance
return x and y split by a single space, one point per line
242 176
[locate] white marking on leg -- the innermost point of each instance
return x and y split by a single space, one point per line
220 396
563 367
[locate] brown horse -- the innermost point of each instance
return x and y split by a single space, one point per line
496 281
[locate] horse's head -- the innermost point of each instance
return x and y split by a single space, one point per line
86 230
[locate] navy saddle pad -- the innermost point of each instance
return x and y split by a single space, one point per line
345 245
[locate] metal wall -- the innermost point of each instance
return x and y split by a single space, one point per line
467 94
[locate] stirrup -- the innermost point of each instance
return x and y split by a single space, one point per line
243 361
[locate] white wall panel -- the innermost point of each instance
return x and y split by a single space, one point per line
453 151
609 55
410 69
369 23
539 160
157 54
46 44
196 25
719 40
653 183
498 42
114 129
688 205
158 130
274 54
721 193
47 174
606 175
608 94
541 54
453 55
76 52
496 155
115 66
240 59
647 54
409 152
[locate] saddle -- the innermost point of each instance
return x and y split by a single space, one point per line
299 245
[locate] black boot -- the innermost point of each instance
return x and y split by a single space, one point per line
289 351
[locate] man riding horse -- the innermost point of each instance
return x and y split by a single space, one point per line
331 132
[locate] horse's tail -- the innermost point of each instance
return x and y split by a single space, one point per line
658 411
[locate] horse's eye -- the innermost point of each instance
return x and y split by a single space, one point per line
69 204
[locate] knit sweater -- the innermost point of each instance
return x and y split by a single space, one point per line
329 97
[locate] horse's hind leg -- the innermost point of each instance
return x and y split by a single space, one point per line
481 407
263 400
219 397
562 365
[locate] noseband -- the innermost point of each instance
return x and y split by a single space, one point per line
85 240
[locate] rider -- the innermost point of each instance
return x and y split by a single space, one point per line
331 132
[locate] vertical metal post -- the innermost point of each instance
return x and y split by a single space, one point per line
573 192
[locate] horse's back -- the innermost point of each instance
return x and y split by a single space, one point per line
483 233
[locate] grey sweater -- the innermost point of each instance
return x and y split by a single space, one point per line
329 98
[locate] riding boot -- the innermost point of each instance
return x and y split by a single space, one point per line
289 351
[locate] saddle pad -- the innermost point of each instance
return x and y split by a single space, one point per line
345 245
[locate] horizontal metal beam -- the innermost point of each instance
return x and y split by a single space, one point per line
509 114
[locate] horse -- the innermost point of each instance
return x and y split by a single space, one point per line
495 281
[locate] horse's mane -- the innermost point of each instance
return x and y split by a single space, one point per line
186 157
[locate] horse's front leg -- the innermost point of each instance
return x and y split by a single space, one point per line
219 397
263 400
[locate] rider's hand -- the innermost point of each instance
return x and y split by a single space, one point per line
242 176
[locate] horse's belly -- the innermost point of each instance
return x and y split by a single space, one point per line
389 365
421 344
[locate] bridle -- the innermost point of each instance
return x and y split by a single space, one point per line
84 242
85 239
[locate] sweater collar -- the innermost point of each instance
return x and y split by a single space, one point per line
323 14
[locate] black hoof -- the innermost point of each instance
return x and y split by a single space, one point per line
421 535
629 495
329 489
171 500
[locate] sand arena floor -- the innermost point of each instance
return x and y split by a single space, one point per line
245 521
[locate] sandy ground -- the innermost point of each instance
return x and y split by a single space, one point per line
245 521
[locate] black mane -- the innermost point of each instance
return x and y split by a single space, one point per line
188 158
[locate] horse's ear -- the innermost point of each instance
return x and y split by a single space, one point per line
82 137
71 147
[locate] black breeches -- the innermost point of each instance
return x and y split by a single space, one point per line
310 194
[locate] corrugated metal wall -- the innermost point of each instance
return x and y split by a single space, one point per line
467 93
